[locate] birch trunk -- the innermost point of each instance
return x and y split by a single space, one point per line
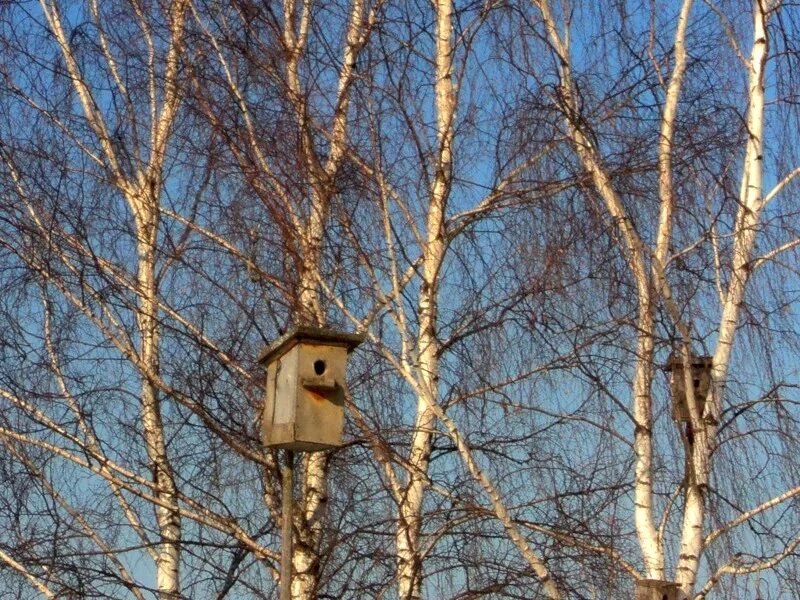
409 562
309 521
306 559
409 567
635 254
141 190
751 203
167 511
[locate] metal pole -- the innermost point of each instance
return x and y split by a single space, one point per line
286 529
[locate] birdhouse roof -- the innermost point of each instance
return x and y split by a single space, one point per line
318 335
675 361
656 584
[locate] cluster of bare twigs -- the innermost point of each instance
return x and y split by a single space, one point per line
524 206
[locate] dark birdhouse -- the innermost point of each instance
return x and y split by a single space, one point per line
305 386
701 383
655 589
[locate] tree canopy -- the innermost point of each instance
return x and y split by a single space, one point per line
568 232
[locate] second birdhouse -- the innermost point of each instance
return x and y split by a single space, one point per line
700 381
654 589
304 404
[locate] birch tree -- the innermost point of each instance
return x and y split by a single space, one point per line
139 180
419 224
301 202
240 62
102 114
651 252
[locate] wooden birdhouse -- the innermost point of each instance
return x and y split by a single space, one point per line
701 384
305 386
655 589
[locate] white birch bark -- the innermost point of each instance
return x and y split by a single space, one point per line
646 530
305 559
751 203
409 567
142 191
320 177
167 514
308 226
35 582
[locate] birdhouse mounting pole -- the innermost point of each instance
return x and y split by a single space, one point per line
286 529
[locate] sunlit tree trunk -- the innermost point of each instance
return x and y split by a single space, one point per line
410 510
751 202
142 189
320 176
167 514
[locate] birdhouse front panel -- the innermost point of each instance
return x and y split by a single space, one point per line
320 402
700 381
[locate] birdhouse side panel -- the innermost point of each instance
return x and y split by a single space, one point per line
280 407
286 388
